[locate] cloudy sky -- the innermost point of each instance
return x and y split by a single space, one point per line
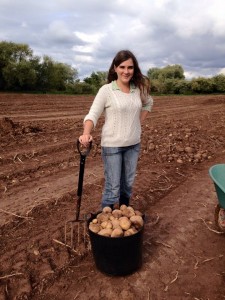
87 33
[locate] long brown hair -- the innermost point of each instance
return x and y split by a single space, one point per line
139 80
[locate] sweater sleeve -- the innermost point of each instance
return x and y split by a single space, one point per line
148 105
97 106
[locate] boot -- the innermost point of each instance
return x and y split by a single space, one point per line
124 200
111 206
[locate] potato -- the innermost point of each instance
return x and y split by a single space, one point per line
124 211
103 224
101 217
122 207
124 223
117 232
137 221
130 231
130 208
118 222
105 232
107 209
128 212
115 223
94 227
138 213
106 224
117 213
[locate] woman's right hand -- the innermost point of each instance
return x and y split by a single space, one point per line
85 139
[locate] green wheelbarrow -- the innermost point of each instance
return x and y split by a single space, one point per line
217 174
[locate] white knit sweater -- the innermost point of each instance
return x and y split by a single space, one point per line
122 115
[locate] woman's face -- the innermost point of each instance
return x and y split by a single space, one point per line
125 71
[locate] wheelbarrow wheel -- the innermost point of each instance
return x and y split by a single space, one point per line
216 216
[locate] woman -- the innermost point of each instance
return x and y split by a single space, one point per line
125 101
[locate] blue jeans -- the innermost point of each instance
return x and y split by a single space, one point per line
120 165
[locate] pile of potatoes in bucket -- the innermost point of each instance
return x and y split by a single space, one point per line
117 222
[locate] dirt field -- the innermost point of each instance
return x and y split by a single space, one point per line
183 253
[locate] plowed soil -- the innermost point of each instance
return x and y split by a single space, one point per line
183 251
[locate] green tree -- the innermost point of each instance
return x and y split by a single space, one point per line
158 86
168 72
165 80
219 81
182 86
153 73
55 75
44 74
202 85
173 72
19 76
97 79
80 88
62 74
20 70
10 55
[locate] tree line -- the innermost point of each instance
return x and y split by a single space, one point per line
171 80
22 71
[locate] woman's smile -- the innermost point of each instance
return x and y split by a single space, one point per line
125 71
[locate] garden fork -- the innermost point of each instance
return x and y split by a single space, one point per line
76 229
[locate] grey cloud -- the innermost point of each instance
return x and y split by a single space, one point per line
158 32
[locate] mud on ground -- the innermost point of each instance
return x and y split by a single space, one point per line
183 252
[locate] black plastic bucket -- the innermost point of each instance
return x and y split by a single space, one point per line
117 256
